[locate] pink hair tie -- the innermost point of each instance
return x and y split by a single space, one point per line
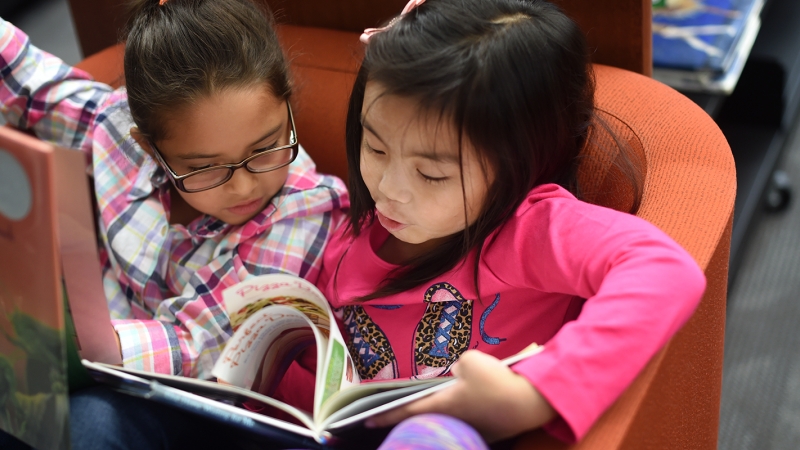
161 2
367 34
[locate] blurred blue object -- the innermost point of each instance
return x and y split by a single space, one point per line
701 35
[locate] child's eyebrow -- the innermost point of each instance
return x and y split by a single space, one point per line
198 155
366 125
433 156
436 156
268 134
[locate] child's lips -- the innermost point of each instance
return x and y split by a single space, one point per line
391 225
245 208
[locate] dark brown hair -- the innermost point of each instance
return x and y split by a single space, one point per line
513 77
184 50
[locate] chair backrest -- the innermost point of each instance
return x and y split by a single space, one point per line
617 30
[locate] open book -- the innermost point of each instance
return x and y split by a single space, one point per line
274 318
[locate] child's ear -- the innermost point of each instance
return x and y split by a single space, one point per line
142 141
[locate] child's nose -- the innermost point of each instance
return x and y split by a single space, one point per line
394 185
243 181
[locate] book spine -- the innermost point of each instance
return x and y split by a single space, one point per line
211 409
163 394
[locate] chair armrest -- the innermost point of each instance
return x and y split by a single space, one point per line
690 188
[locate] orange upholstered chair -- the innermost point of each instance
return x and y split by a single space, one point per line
689 193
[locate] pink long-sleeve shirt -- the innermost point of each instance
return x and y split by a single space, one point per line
602 290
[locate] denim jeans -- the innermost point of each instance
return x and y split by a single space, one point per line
103 419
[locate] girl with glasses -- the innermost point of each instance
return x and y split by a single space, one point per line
199 178
467 240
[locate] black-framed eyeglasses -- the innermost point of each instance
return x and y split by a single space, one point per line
211 177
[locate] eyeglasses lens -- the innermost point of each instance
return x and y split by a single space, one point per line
262 163
204 180
270 160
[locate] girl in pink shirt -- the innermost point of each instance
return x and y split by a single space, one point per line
467 239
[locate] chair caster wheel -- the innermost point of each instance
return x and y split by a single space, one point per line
779 192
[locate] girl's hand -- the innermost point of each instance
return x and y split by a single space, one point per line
488 395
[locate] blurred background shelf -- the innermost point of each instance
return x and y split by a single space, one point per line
758 117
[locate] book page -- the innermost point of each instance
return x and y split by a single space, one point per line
263 347
335 368
366 396
369 399
380 401
243 299
339 375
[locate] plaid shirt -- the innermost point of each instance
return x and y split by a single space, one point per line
163 281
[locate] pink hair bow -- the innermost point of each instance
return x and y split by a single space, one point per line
408 8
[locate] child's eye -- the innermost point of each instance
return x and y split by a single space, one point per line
433 180
372 150
263 149
199 168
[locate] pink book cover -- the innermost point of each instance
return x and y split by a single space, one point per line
96 340
47 231
33 378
